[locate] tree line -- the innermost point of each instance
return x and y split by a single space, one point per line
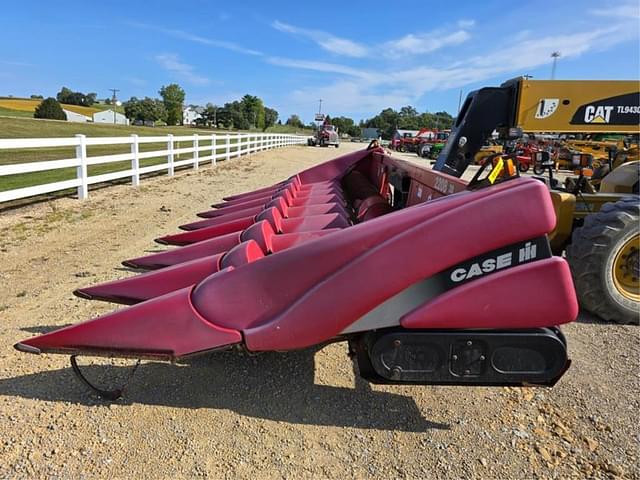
247 113
408 118
387 122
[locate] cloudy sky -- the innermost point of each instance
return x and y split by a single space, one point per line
359 57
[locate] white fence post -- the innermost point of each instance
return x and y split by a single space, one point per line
81 155
214 149
228 138
135 161
170 156
196 155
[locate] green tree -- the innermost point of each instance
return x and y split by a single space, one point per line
209 116
253 111
173 99
51 109
294 121
270 117
66 95
386 121
346 125
147 109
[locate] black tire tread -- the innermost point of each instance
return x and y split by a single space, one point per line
588 252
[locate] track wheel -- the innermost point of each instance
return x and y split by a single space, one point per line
523 167
604 256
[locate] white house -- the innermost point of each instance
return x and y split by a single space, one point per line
75 117
190 114
110 116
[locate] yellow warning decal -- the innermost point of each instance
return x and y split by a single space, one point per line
496 170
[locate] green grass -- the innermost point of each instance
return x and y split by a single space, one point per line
289 129
6 112
34 128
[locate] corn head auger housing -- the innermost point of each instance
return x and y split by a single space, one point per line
413 267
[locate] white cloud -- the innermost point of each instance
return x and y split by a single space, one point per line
466 23
417 44
16 64
350 96
630 10
171 63
181 34
320 67
366 91
327 41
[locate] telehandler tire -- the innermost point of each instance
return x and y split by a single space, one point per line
604 256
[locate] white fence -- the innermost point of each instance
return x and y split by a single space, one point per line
203 148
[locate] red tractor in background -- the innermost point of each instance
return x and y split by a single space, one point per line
431 142
404 143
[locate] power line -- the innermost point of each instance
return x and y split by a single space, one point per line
114 101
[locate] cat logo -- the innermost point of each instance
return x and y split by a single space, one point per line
599 114
546 107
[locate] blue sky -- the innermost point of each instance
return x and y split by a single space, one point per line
359 57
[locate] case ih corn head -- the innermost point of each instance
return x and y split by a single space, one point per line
413 267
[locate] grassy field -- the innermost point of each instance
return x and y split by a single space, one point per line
7 112
36 128
29 105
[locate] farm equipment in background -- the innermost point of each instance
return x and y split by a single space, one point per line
431 142
618 149
394 258
403 141
326 135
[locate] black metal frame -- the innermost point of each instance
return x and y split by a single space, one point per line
484 110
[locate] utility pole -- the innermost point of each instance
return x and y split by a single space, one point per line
555 55
113 102
320 106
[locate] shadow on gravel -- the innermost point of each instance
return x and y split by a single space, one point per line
586 317
42 329
270 386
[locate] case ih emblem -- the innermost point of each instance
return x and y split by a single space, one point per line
525 254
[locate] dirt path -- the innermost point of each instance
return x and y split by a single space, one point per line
299 415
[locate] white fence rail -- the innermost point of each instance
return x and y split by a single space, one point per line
202 149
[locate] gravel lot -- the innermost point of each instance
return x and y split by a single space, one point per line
297 415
